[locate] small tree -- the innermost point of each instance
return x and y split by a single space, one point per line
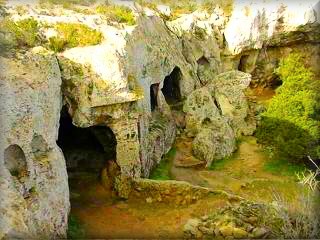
291 126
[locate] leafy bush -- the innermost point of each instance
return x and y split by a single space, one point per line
120 14
23 33
291 123
74 35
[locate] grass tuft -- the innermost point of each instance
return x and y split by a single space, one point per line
188 6
74 35
283 167
23 33
66 3
226 5
115 13
220 164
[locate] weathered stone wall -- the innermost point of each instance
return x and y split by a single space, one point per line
261 63
34 193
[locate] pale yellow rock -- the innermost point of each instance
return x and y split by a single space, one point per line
226 231
239 233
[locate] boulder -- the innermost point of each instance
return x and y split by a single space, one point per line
214 143
229 94
192 226
226 231
200 110
239 233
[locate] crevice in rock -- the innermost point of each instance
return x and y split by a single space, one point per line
217 105
171 87
203 61
203 66
154 88
242 63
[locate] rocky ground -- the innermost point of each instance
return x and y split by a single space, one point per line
103 215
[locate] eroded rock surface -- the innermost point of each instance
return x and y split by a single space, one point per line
131 83
218 113
34 190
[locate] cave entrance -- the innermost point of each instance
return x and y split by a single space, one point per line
171 87
86 150
242 63
203 61
154 88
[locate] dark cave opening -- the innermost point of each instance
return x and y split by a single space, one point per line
242 63
171 87
203 61
86 150
275 82
154 88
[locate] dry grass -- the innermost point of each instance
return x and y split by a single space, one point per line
302 223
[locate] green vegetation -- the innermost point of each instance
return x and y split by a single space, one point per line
75 230
188 6
220 164
283 168
226 5
290 127
74 35
66 3
117 13
162 171
23 33
134 86
177 7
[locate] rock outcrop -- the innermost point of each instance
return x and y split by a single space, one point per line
218 113
131 83
34 193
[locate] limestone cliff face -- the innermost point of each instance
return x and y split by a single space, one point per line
133 82
34 193
258 35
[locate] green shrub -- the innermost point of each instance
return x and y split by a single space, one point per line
120 14
23 33
162 171
74 35
188 6
75 230
290 126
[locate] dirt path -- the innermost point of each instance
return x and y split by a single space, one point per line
104 216
242 174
